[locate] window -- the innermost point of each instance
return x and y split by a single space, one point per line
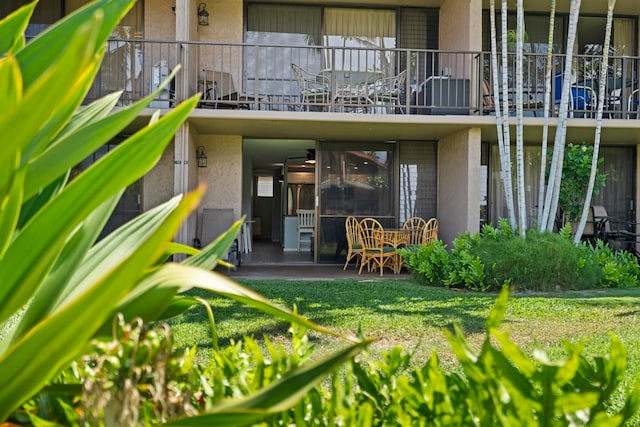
308 31
265 186
354 33
356 179
616 196
418 180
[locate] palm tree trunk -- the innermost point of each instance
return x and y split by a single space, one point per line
522 208
596 142
506 159
555 176
505 169
547 107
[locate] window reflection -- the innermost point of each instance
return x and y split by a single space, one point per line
357 182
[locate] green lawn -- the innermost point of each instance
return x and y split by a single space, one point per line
399 312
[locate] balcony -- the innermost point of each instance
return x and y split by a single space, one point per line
361 81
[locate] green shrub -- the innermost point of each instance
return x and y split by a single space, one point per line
432 261
620 269
540 262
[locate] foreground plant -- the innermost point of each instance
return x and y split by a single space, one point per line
59 287
138 378
499 385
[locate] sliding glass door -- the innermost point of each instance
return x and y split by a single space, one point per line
355 179
617 196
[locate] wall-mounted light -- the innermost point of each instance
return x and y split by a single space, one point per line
202 158
311 156
203 15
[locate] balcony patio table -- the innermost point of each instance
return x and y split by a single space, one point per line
355 82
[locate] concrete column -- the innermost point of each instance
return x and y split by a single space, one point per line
459 184
461 25
461 31
182 155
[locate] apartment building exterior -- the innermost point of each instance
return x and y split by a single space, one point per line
378 108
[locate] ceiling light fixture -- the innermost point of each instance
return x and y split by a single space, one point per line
311 156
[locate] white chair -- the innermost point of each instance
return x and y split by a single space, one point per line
314 88
387 91
306 224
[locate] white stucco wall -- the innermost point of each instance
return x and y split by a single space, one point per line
459 184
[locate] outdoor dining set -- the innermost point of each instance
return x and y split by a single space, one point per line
376 247
349 90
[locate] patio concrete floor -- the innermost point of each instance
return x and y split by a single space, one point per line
268 261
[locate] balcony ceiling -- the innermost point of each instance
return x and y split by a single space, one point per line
623 7
365 3
291 134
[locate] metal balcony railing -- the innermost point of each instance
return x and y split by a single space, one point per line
357 80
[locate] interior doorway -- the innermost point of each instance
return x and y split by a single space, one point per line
281 180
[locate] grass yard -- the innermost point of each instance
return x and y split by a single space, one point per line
399 312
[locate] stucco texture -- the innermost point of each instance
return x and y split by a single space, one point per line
223 176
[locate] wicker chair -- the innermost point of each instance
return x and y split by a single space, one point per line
375 254
430 231
354 245
416 225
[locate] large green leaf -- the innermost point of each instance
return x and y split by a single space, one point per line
12 29
10 84
45 100
86 115
36 247
59 279
77 145
38 54
113 250
276 397
35 203
10 210
35 358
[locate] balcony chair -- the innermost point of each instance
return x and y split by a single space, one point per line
582 99
387 91
354 245
306 224
314 89
220 92
375 254
529 101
